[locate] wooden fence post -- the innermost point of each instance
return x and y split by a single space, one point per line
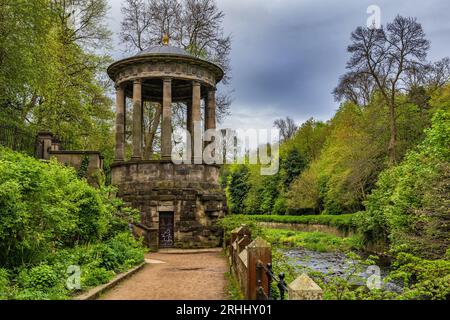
243 243
304 288
257 251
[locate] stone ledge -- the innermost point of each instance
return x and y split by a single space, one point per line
189 251
121 163
94 293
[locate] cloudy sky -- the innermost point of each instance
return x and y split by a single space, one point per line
287 55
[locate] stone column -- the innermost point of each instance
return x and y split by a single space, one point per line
166 132
44 145
137 120
210 110
120 123
189 124
196 119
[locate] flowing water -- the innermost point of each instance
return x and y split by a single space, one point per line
337 264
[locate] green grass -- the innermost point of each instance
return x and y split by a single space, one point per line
317 241
233 287
342 222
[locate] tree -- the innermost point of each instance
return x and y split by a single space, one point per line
385 56
355 87
238 188
51 66
293 165
287 128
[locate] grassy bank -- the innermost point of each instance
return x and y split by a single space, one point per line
318 241
342 222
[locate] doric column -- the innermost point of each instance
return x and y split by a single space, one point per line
189 125
196 119
120 123
166 132
210 110
137 120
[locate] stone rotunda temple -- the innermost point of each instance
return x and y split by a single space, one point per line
179 203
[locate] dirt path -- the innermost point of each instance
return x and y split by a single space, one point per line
171 275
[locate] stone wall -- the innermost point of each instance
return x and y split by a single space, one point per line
308 228
191 192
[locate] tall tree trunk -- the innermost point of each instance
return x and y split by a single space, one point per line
393 130
150 137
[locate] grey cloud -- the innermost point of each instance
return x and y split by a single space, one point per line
288 54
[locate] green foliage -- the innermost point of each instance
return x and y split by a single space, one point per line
343 222
4 284
45 206
42 278
49 70
237 188
98 263
51 220
409 207
293 165
310 240
318 241
423 279
83 170
95 276
233 288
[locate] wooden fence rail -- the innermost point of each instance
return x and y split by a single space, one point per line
251 264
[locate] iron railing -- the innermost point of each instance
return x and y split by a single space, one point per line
281 284
18 139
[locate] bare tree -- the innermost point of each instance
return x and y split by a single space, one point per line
287 128
135 22
355 87
83 22
386 56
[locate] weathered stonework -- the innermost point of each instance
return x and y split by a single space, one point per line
179 204
191 192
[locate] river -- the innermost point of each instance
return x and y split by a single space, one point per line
336 264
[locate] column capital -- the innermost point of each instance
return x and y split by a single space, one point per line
137 81
196 83
167 79
118 86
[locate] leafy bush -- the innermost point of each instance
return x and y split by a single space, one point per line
42 277
95 276
45 206
409 207
51 220
4 283
423 279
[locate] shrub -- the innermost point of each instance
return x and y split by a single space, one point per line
92 276
45 207
409 207
4 284
40 278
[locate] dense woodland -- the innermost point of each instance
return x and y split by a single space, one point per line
385 155
382 161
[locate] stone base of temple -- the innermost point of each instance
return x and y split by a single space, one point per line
179 204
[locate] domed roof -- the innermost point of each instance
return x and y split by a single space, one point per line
166 53
164 50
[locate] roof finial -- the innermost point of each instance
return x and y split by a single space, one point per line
165 39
